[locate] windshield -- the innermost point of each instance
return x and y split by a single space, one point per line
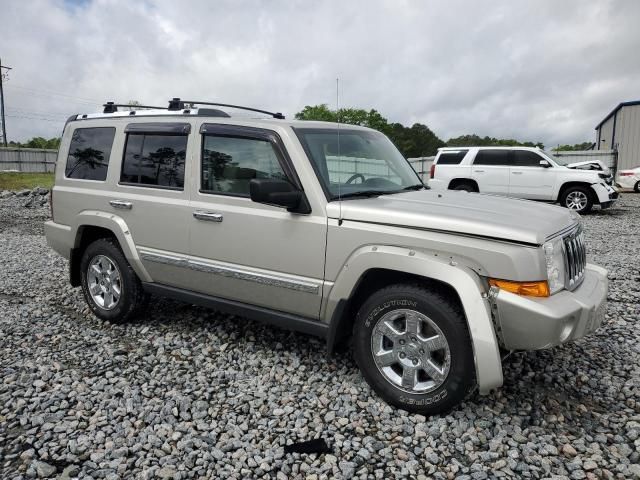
352 163
558 161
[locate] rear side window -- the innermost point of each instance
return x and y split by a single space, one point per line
492 157
89 153
524 158
451 158
229 164
152 159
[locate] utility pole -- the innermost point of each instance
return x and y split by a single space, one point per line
4 127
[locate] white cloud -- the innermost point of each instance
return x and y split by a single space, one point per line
542 70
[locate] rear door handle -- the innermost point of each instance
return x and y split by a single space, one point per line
121 204
478 171
207 216
517 173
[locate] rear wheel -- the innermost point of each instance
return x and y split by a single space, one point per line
413 347
577 198
110 286
636 187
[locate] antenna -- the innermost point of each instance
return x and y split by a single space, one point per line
339 153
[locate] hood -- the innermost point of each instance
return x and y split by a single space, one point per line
590 165
461 212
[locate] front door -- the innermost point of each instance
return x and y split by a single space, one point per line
528 179
245 251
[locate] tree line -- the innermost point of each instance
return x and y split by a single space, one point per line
417 140
37 142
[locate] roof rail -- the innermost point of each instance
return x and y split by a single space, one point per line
177 104
111 107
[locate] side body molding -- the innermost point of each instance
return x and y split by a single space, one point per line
120 229
438 267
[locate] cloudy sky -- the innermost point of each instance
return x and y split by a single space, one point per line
533 70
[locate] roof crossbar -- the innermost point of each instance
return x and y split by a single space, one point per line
176 102
111 107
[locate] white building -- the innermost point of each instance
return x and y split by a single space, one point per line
620 130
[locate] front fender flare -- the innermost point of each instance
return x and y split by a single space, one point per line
434 266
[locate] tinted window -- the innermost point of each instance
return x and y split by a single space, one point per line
523 158
229 164
89 153
451 158
151 159
492 157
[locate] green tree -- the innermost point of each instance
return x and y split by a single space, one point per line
577 146
416 141
474 140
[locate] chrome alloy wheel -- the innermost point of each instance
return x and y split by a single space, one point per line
410 351
576 200
104 282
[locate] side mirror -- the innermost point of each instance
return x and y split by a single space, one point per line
545 164
280 193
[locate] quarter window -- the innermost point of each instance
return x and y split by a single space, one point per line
451 158
229 164
492 157
524 158
154 160
89 152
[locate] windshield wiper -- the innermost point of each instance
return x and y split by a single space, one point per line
363 194
417 186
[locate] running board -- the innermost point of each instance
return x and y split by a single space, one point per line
283 320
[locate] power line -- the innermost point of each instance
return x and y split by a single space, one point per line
36 118
56 94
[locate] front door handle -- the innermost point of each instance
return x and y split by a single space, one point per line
121 204
478 171
517 173
207 216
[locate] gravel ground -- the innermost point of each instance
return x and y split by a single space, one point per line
189 393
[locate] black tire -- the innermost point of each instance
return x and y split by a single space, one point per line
467 187
448 317
566 194
132 296
636 187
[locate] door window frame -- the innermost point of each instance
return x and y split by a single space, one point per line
249 133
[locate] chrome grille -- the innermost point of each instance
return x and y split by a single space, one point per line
575 258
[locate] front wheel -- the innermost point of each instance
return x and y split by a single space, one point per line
412 346
636 187
577 198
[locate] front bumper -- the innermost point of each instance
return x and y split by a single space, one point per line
606 194
531 323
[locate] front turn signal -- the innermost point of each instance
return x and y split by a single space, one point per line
532 289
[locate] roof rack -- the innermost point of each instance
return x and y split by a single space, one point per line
177 104
111 107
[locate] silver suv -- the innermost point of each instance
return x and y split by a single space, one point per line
324 229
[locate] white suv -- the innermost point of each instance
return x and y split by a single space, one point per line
521 172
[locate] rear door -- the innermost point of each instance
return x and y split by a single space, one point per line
528 179
490 170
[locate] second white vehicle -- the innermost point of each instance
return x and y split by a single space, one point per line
521 172
630 178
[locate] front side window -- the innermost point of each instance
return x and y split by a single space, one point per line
525 158
492 157
154 160
353 162
89 152
229 164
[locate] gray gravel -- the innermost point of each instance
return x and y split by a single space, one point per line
189 393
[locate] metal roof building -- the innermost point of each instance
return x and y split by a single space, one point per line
620 130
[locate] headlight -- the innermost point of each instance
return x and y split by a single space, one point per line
554 259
